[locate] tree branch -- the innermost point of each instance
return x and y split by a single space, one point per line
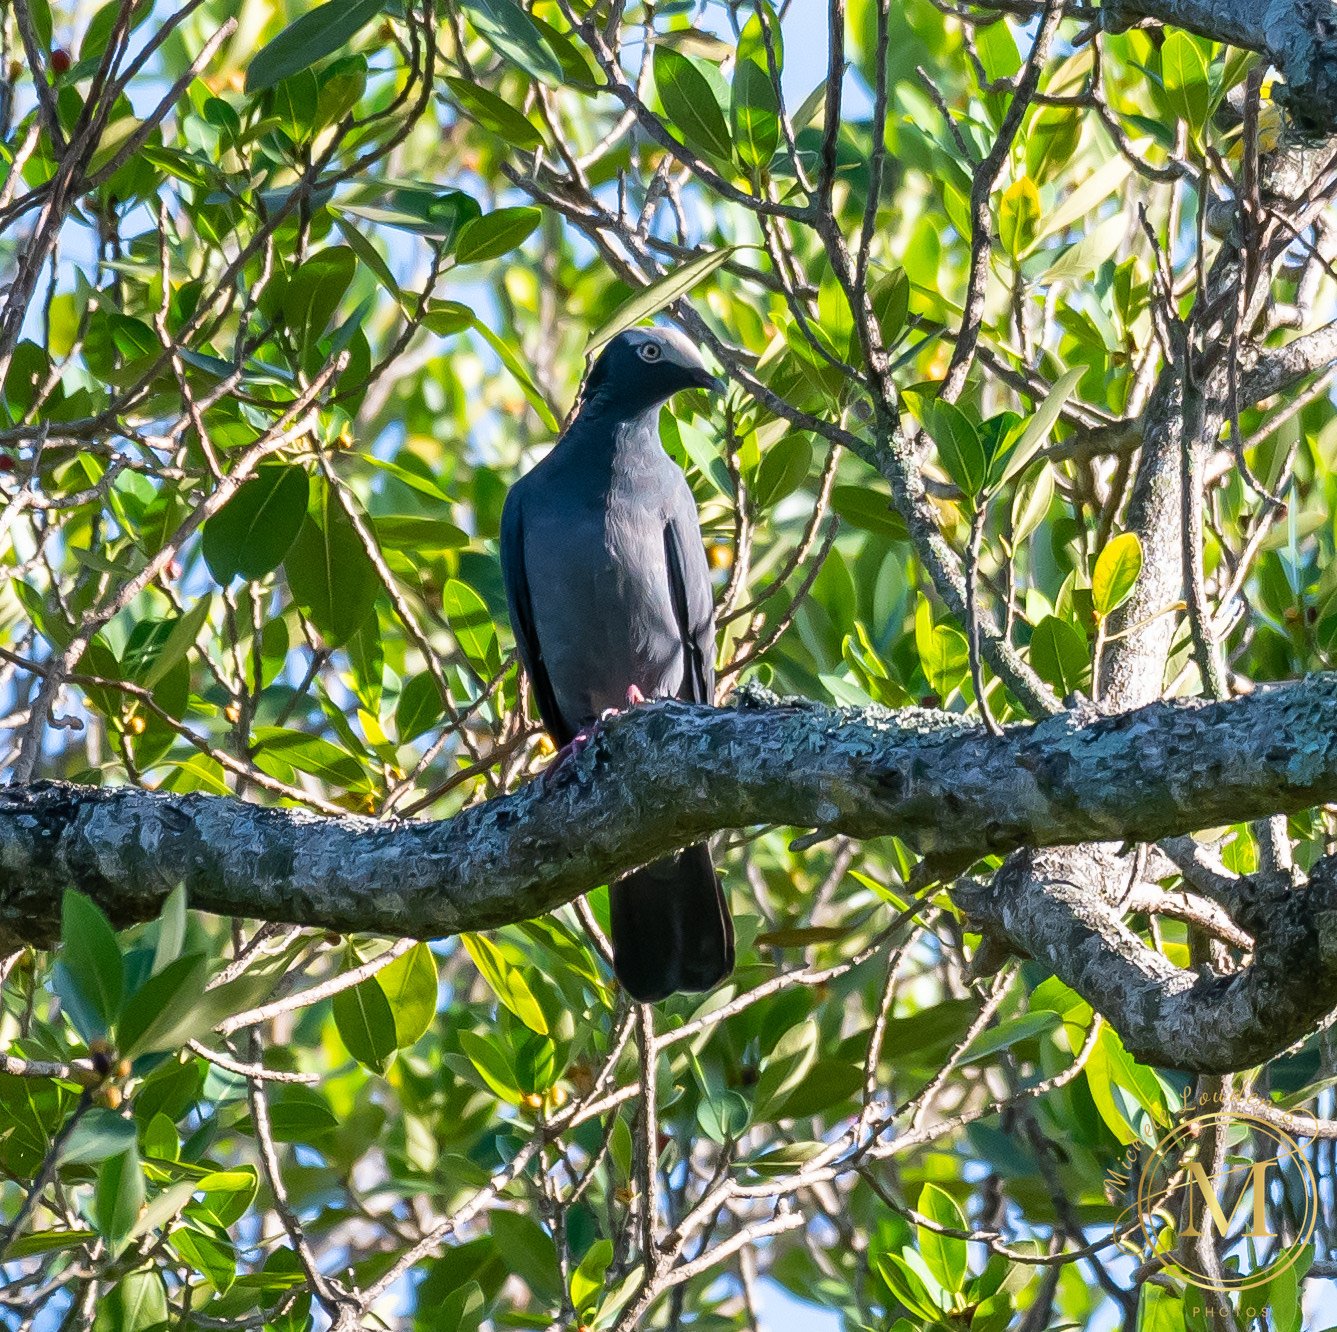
661 777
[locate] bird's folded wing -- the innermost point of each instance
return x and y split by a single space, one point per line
693 608
516 578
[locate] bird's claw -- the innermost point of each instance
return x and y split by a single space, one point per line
584 736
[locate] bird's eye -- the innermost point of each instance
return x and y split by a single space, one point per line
650 351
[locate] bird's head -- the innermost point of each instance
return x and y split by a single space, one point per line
643 367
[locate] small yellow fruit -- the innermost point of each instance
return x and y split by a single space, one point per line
532 1101
233 713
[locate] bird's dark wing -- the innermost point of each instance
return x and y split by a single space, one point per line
693 608
670 921
516 578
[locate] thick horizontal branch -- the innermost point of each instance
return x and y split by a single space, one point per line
1298 36
661 777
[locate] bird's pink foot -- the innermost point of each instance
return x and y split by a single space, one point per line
567 751
584 736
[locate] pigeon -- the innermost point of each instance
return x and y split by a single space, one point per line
610 601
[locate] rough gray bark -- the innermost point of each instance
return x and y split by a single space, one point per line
667 774
1197 1021
1298 36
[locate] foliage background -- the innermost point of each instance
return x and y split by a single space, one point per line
298 303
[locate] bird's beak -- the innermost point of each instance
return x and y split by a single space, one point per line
702 378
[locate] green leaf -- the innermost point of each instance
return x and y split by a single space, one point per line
785 1160
371 257
495 234
511 33
1009 461
1007 1034
137 1302
944 655
162 1014
307 753
1019 216
1184 77
178 641
491 1065
651 300
891 305
117 1199
101 1133
329 572
784 467
366 659
171 929
754 111
530 1252
870 510
437 214
944 1254
314 291
1059 655
471 623
366 1024
722 1117
497 114
1115 573
316 34
211 1255
1052 140
588 1279
410 986
959 447
506 981
425 485
419 707
689 101
91 958
463 1309
1080 205
253 532
784 1068
412 532
752 40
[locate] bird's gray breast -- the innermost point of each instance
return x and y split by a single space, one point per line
597 568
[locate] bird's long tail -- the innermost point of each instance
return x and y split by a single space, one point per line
671 927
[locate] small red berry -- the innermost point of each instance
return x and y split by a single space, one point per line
60 60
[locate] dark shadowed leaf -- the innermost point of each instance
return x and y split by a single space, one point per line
91 958
255 529
331 576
